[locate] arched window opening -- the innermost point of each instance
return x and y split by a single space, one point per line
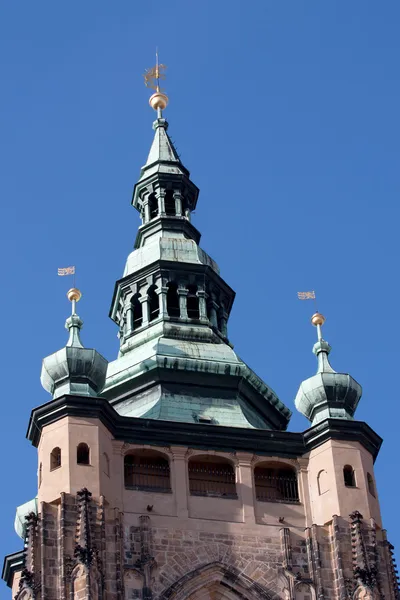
137 311
349 476
193 303
154 304
212 476
83 454
153 206
276 483
170 203
40 474
147 471
173 300
55 459
106 464
371 486
323 484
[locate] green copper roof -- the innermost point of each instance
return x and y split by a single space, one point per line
327 394
198 380
172 307
74 369
162 148
22 512
163 157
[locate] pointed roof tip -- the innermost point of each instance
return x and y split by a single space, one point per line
162 148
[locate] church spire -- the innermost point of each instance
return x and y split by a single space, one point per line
327 394
74 369
164 195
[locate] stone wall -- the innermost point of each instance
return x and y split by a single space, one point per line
81 549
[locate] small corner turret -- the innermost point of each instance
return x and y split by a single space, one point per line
74 369
327 394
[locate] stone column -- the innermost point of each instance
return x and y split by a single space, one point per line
178 203
162 299
188 214
224 323
145 308
213 314
160 194
146 207
201 294
128 317
245 486
304 490
182 293
181 487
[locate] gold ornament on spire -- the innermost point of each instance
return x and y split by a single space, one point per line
74 295
159 100
317 319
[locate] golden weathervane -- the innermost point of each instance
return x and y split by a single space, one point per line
152 77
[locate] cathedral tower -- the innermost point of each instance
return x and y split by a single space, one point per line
168 473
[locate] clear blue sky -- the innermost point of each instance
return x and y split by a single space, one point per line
287 114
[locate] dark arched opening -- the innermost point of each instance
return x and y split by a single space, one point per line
173 300
170 203
153 206
83 454
193 303
137 311
275 483
147 471
212 476
349 476
55 459
154 304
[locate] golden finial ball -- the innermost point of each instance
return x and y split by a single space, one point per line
317 319
74 294
158 100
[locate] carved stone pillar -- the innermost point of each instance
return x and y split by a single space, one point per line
245 485
178 203
146 208
180 481
224 323
213 314
160 194
128 317
145 309
201 294
182 293
162 300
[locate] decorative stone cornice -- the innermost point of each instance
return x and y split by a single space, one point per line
13 563
283 444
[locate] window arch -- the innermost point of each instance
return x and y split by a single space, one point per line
212 476
173 300
55 458
193 303
349 476
147 470
170 203
137 311
322 479
83 454
276 482
371 486
106 464
153 206
154 304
